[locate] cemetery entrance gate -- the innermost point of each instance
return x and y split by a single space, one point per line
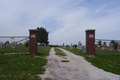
33 34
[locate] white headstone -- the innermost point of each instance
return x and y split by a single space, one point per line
79 46
98 46
84 48
71 47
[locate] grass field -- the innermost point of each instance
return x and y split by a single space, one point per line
59 52
104 59
22 67
11 50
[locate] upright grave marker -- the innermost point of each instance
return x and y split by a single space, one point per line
99 47
71 47
118 47
111 47
90 42
33 41
63 45
79 46
15 45
105 46
96 46
1 45
84 47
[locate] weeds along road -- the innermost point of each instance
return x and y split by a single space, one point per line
76 69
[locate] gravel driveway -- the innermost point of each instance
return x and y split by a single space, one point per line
76 69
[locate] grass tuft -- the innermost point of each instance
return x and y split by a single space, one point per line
64 60
48 79
59 52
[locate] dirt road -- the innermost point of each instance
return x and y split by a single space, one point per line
76 69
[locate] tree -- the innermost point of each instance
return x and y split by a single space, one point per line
114 44
42 36
75 45
100 43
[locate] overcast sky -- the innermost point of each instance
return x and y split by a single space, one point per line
65 20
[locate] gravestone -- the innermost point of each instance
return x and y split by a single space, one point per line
79 46
7 43
118 47
12 45
105 46
96 46
84 48
15 45
63 45
111 47
99 47
1 45
71 47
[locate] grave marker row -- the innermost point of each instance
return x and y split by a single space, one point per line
111 47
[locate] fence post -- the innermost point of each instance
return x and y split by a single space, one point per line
33 34
90 42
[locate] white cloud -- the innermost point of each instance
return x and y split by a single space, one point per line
75 26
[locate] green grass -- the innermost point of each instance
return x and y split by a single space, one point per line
11 50
21 67
59 52
104 59
48 79
64 60
43 51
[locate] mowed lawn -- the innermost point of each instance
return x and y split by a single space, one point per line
104 59
21 66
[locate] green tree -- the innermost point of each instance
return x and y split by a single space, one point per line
75 45
42 36
114 44
100 43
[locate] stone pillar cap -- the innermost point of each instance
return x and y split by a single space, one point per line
33 30
90 30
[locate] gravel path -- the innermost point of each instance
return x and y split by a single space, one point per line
76 69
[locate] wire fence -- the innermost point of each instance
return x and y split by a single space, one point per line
6 42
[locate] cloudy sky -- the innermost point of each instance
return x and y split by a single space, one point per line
65 20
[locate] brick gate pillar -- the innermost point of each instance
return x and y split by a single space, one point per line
33 34
90 42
